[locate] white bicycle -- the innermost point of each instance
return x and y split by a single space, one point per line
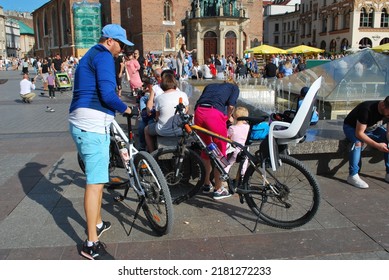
144 177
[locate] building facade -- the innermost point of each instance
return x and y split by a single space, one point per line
281 24
159 26
3 52
338 25
225 27
27 40
16 34
332 25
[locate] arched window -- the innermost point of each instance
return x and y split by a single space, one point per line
323 26
333 46
38 33
384 18
46 26
255 43
167 11
211 34
335 22
323 45
344 44
54 31
384 41
230 34
366 18
168 40
65 27
346 20
365 43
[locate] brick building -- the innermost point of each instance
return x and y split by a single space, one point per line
210 26
160 26
54 26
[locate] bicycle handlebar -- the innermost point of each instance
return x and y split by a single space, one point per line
180 109
134 112
253 120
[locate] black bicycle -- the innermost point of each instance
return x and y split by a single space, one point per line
287 197
144 177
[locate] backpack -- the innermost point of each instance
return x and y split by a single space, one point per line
259 131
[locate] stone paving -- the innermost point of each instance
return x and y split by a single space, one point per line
42 217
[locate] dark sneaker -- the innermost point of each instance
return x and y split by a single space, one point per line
207 188
96 251
220 194
106 226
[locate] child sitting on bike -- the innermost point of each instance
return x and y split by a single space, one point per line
237 132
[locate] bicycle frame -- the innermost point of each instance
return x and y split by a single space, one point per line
191 130
132 151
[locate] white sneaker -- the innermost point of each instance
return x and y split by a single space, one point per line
357 182
387 177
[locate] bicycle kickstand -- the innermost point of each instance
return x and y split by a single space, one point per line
140 204
256 224
258 216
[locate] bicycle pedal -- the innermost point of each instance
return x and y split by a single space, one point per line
118 198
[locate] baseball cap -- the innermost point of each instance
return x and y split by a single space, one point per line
115 31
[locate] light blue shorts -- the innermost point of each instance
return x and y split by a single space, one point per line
94 150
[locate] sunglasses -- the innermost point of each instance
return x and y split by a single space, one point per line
121 44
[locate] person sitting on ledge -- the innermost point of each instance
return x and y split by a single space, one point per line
360 126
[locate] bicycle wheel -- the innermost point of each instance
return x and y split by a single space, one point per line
289 199
184 181
158 206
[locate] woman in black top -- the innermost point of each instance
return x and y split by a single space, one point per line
45 73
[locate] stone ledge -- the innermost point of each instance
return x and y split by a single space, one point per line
321 156
331 156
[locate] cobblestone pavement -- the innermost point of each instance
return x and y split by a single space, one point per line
42 217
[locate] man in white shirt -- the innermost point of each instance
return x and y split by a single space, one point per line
207 72
25 89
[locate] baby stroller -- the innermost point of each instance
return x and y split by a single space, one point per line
62 81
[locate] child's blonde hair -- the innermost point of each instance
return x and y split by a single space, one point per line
240 112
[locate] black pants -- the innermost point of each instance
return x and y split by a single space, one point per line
51 91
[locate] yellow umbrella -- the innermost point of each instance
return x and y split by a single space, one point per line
264 49
381 48
304 49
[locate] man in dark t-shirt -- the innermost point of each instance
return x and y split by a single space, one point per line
270 70
362 125
56 64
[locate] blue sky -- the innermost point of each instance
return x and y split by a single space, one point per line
22 5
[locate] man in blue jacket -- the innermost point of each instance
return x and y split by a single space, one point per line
91 112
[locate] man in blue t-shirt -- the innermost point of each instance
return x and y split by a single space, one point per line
91 113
